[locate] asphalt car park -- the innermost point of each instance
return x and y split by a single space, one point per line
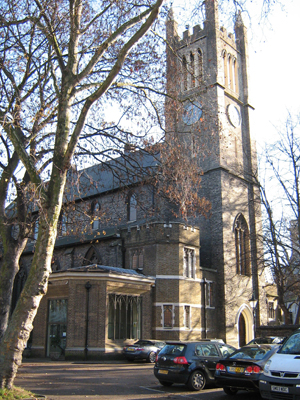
113 380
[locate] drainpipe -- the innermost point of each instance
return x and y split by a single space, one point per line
203 292
87 286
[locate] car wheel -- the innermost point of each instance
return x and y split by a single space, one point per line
152 357
230 391
197 381
165 383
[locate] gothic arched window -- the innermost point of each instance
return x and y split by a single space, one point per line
235 76
224 55
92 257
36 228
95 215
192 65
62 224
242 246
184 73
200 66
132 208
229 72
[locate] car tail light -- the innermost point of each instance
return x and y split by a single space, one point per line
180 360
140 349
156 358
257 369
253 369
220 367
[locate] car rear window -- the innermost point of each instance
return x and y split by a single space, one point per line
144 343
173 349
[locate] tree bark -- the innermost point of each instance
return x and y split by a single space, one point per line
20 326
8 271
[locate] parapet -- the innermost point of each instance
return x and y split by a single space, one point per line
227 37
198 32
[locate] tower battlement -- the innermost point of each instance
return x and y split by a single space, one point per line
197 32
229 38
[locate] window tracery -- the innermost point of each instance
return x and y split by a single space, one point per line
242 246
92 257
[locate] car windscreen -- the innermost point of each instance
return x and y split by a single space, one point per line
173 349
252 353
292 345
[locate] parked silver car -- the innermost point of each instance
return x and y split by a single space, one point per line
143 350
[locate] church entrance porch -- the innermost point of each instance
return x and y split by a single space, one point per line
91 311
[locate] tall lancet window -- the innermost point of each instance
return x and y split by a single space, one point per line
184 73
235 76
132 208
199 66
192 68
224 55
242 246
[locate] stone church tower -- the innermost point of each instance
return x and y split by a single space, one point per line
208 112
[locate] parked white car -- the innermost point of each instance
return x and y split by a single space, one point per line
281 376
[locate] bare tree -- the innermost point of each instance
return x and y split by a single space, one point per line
82 55
281 200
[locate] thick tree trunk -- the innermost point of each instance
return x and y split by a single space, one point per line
21 322
9 269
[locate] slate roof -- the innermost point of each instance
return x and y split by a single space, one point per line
123 171
105 269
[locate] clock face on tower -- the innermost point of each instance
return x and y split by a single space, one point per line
234 115
192 112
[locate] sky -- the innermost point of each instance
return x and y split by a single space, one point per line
274 62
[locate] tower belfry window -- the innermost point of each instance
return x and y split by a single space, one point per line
229 72
184 73
225 68
199 66
192 67
235 76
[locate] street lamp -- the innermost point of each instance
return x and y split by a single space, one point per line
253 303
88 287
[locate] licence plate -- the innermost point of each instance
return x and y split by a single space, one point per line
131 349
163 371
281 389
236 370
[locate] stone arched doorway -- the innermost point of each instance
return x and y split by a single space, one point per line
244 325
242 330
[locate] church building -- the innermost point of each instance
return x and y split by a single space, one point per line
141 276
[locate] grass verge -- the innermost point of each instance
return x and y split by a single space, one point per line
16 394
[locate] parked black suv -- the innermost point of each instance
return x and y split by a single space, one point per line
191 363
